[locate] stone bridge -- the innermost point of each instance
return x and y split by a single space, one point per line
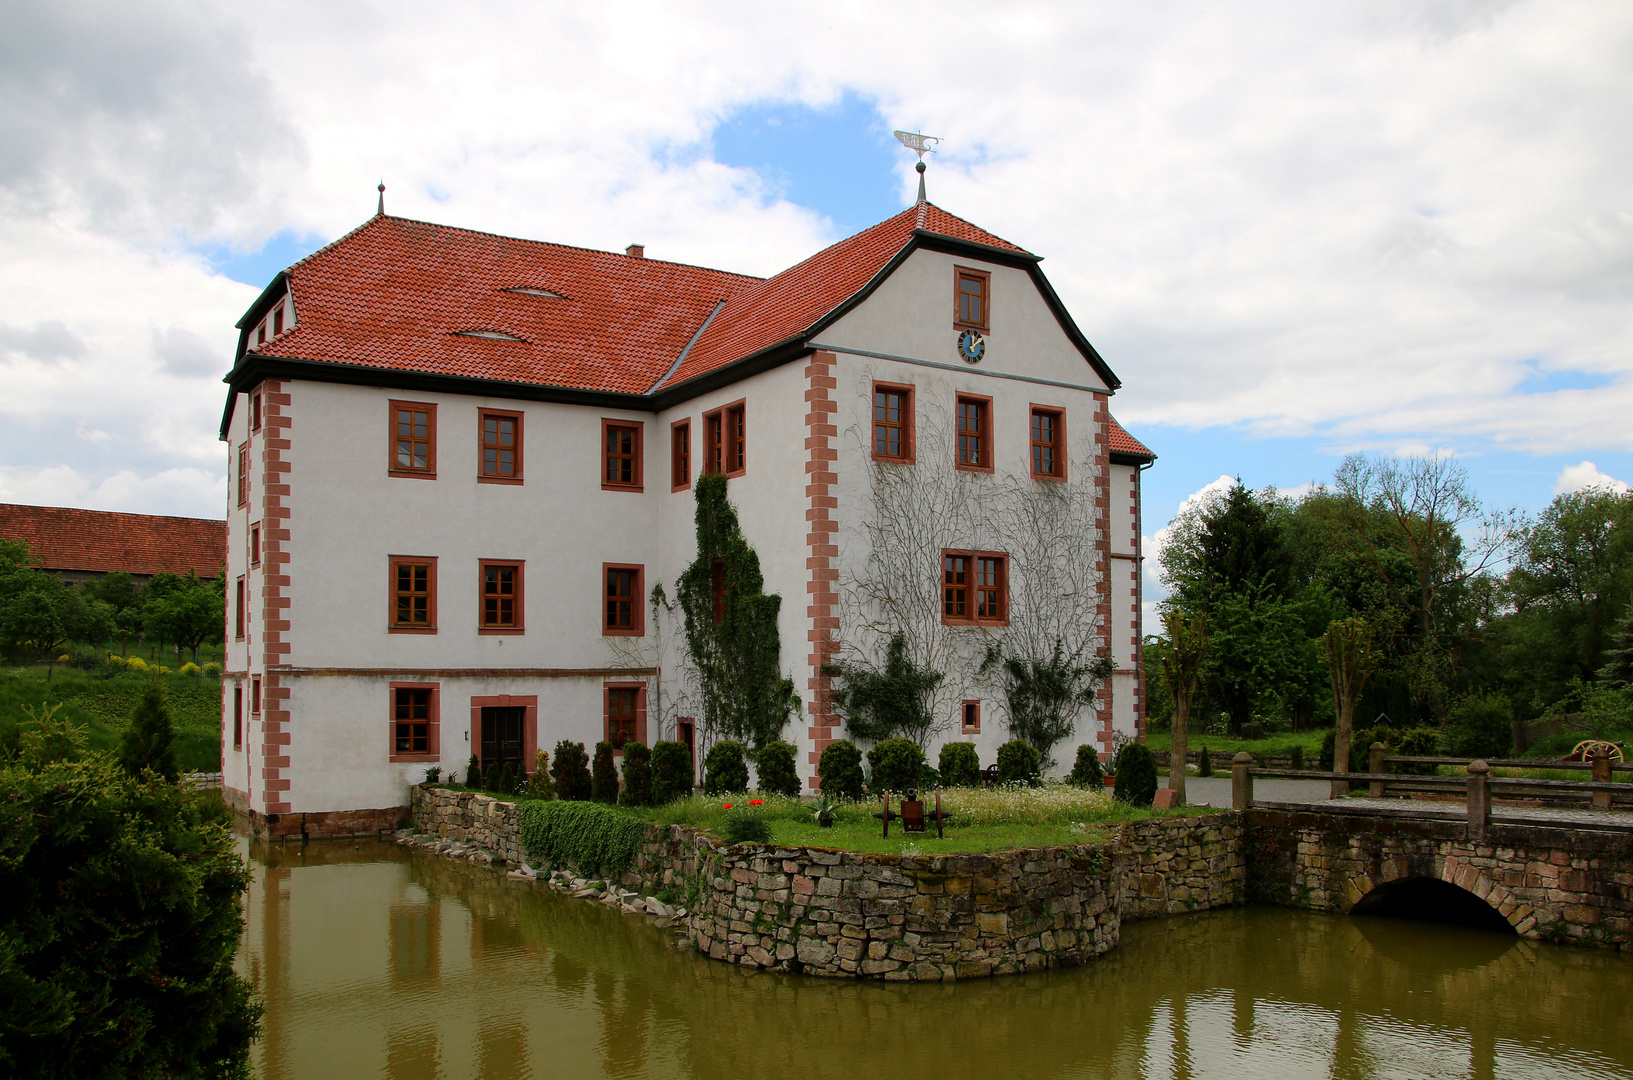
1567 882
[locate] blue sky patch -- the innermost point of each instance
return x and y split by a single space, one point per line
1542 382
259 267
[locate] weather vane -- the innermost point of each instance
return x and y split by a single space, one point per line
919 143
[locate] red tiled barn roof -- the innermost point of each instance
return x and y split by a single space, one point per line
406 295
1121 442
63 538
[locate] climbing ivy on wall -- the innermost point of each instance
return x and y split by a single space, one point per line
744 694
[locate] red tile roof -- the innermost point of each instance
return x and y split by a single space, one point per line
63 538
408 295
1121 442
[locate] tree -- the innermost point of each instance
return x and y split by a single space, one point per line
1617 672
149 743
1351 660
121 920
186 611
1182 662
604 775
889 703
1046 696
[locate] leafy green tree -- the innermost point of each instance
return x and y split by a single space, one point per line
121 920
185 610
150 740
1351 660
893 702
1479 726
1183 661
1045 697
1617 673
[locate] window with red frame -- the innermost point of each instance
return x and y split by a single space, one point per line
237 716
622 454
1048 444
622 705
974 449
714 443
680 455
255 696
243 474
501 446
736 440
411 720
255 411
413 594
892 423
238 611
974 587
621 612
255 545
278 320
413 439
972 298
501 596
972 718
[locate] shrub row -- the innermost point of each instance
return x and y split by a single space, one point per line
588 835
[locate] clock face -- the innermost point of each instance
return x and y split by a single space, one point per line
972 346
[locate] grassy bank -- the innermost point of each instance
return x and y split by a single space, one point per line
102 705
1224 744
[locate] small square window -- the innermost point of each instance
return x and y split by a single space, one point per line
621 455
971 724
413 439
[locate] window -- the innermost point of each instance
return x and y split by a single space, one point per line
1048 443
238 716
622 614
974 433
255 544
238 611
718 590
725 433
680 455
714 443
892 423
621 442
972 305
974 587
260 333
243 474
413 439
278 320
501 448
972 718
501 598
413 595
413 721
626 713
255 696
255 411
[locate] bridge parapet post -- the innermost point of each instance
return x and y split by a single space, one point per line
1601 775
1241 781
1479 799
1375 766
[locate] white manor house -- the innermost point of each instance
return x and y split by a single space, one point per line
462 473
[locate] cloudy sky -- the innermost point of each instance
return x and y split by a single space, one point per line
1295 230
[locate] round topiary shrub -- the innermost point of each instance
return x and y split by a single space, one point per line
637 774
840 770
1018 762
777 773
1136 775
724 770
604 775
960 765
571 771
671 772
1086 770
898 764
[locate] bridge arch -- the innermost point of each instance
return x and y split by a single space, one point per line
1454 892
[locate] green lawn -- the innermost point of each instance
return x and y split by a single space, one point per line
103 704
1224 744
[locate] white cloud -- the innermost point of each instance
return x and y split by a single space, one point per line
1573 478
181 492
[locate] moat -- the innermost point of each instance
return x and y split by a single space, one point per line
378 961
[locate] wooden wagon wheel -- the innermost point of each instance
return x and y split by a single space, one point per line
1585 750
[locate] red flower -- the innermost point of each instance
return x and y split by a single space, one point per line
726 807
756 802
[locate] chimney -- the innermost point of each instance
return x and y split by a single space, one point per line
636 251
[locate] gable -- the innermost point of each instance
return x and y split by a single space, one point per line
910 315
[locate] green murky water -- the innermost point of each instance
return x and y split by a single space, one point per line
380 962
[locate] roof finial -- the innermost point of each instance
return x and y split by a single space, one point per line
381 212
920 145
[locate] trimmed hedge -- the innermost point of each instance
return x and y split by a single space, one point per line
1086 770
671 772
604 775
724 771
898 764
960 765
637 774
1018 762
840 769
777 773
1136 775
571 771
586 835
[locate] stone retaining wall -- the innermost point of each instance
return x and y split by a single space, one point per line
896 917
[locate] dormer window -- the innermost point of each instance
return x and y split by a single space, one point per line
972 301
278 321
260 333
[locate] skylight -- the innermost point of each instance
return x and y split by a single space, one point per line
527 291
491 335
